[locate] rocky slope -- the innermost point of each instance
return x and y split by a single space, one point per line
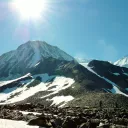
37 115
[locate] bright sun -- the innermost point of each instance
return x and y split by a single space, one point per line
30 9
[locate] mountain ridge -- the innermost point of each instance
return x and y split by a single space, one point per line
55 75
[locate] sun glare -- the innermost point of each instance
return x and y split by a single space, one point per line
30 9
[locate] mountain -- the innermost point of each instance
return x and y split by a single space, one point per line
18 62
51 78
37 72
123 62
116 75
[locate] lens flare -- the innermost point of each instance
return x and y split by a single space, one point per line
30 9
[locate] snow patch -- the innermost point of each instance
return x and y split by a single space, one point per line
59 83
125 74
61 99
117 74
25 113
37 64
14 124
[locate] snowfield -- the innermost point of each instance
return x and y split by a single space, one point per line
14 124
59 83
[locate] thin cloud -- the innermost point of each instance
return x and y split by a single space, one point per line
81 55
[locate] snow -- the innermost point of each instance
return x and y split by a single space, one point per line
117 74
84 64
25 113
59 83
59 99
35 113
125 74
14 124
101 124
122 62
29 55
62 82
115 90
36 56
44 50
10 81
37 64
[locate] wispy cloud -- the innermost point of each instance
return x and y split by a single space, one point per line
81 55
108 50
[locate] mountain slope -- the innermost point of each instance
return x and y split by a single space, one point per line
18 62
118 76
123 62
52 79
55 78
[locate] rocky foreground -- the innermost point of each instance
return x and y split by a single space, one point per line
67 117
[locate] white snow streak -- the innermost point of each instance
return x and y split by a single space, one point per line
10 81
25 113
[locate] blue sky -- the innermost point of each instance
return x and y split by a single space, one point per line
83 28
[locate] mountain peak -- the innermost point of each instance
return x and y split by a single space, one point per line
35 43
28 55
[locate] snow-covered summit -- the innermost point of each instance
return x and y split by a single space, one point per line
27 56
123 62
40 49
